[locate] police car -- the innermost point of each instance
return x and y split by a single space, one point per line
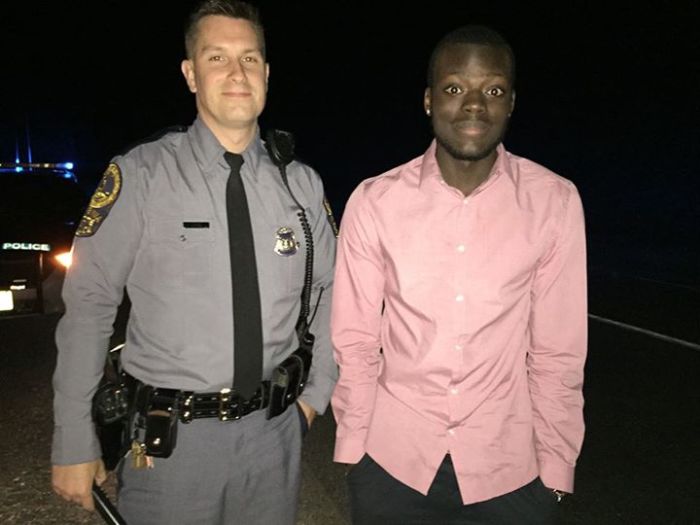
40 207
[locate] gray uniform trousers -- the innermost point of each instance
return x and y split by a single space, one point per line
243 472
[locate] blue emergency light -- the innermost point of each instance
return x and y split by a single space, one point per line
62 169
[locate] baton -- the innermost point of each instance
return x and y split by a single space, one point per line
105 507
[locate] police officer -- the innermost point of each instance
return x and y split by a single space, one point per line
158 225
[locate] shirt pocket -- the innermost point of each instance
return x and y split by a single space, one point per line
181 256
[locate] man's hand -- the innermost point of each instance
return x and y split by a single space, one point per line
309 412
74 482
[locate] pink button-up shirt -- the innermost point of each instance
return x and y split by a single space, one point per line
459 326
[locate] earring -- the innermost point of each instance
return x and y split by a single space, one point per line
427 111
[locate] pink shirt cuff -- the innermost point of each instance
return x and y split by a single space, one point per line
557 475
349 450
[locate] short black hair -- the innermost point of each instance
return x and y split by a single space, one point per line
230 8
472 34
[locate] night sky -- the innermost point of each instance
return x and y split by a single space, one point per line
606 96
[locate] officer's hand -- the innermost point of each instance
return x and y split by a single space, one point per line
74 482
309 412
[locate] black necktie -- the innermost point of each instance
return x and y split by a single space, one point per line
247 324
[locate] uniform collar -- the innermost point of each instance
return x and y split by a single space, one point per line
209 153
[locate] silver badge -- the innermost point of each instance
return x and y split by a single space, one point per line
286 244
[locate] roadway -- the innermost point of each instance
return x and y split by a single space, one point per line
640 462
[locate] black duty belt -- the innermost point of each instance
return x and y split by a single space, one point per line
226 405
157 410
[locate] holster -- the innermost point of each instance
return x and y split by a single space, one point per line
289 378
158 414
112 406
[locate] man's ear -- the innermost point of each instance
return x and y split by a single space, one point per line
512 103
427 102
187 68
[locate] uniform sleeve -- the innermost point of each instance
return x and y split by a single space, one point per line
324 371
558 327
92 292
355 327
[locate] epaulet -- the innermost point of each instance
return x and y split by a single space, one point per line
155 136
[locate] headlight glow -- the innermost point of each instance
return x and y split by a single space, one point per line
65 258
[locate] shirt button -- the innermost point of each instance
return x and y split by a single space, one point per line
451 431
454 391
461 248
458 347
459 298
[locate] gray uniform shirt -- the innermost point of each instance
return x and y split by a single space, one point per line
180 331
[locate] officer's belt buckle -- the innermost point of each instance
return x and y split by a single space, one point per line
227 409
187 411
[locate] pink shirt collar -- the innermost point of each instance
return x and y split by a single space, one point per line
430 170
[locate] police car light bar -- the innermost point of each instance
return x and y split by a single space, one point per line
62 169
30 165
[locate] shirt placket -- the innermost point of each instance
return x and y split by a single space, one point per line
457 301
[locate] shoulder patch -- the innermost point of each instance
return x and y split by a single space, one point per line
329 216
101 202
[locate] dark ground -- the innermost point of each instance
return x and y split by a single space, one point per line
639 465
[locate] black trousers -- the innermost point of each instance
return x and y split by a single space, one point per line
378 498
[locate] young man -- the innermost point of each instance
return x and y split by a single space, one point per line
459 316
168 223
